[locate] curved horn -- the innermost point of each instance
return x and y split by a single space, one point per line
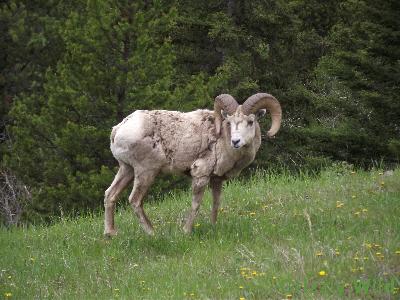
269 102
223 102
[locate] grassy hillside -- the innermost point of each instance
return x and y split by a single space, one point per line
278 237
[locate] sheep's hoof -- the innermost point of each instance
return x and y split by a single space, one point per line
110 233
149 232
187 230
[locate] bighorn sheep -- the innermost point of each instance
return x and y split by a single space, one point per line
210 146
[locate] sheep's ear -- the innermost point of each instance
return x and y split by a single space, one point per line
224 114
260 113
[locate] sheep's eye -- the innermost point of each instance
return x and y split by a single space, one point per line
250 123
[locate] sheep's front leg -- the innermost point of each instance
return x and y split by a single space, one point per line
216 189
198 187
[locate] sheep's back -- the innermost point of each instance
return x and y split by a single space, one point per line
169 140
184 136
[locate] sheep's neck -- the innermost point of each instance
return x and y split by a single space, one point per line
229 161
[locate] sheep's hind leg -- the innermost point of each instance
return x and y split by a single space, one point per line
216 188
198 187
140 187
121 180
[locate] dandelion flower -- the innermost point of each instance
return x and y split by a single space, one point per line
319 253
364 210
289 296
322 273
397 252
339 204
357 213
252 214
240 287
274 277
242 298
7 295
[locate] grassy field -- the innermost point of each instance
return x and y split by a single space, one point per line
333 236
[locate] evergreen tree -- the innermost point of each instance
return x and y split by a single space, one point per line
118 57
356 91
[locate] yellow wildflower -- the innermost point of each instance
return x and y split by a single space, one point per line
240 287
242 298
7 295
197 225
289 296
319 253
353 196
397 252
364 210
274 277
339 204
322 273
252 213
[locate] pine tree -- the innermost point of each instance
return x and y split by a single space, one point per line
356 90
118 57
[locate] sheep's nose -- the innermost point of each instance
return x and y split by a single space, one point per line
235 142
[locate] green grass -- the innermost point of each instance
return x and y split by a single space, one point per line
274 235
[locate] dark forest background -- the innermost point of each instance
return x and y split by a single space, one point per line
70 70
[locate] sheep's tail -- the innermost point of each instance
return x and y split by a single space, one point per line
113 133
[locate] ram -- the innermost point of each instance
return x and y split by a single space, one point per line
209 146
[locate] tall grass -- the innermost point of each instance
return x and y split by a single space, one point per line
331 236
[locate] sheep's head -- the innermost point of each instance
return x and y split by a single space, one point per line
242 119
